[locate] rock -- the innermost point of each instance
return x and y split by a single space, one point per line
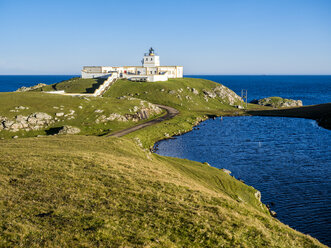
15 137
277 102
42 116
273 213
21 118
15 127
227 95
171 92
80 107
258 195
138 142
226 171
21 108
194 91
7 124
34 121
24 89
210 94
59 114
144 111
69 130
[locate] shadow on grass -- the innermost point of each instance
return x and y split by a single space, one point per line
53 130
96 85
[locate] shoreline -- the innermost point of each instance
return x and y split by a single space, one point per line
306 112
321 113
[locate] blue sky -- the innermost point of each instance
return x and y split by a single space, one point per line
206 36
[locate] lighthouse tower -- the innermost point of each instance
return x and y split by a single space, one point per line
150 59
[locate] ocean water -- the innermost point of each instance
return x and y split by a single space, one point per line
309 89
12 83
287 159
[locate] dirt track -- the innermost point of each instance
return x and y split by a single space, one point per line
171 113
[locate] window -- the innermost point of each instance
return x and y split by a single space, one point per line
151 59
146 59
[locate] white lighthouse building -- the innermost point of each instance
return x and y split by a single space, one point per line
150 71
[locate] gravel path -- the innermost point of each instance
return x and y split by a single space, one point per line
171 113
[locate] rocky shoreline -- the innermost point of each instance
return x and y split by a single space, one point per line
277 102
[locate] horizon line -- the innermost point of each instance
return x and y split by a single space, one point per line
184 75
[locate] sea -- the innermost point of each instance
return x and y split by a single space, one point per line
287 159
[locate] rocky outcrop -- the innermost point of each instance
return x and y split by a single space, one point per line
34 121
24 89
142 112
277 102
226 171
69 130
223 93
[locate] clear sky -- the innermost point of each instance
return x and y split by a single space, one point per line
205 36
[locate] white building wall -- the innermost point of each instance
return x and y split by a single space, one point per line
151 67
151 61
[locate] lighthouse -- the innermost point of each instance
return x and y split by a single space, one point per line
151 59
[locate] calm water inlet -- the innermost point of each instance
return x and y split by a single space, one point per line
287 159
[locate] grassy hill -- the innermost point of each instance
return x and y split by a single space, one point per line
75 85
86 112
88 191
177 93
78 191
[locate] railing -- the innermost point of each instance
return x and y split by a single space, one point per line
103 87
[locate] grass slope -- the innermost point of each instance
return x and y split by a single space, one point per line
75 85
77 191
84 108
173 92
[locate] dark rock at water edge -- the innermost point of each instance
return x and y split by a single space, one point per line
277 102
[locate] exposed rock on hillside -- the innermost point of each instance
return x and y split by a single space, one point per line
69 130
34 121
277 102
24 89
224 93
142 112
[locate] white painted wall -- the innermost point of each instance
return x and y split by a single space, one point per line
151 61
151 67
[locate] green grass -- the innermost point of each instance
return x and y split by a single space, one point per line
85 117
180 98
76 191
75 85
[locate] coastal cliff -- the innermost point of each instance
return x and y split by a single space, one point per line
92 191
